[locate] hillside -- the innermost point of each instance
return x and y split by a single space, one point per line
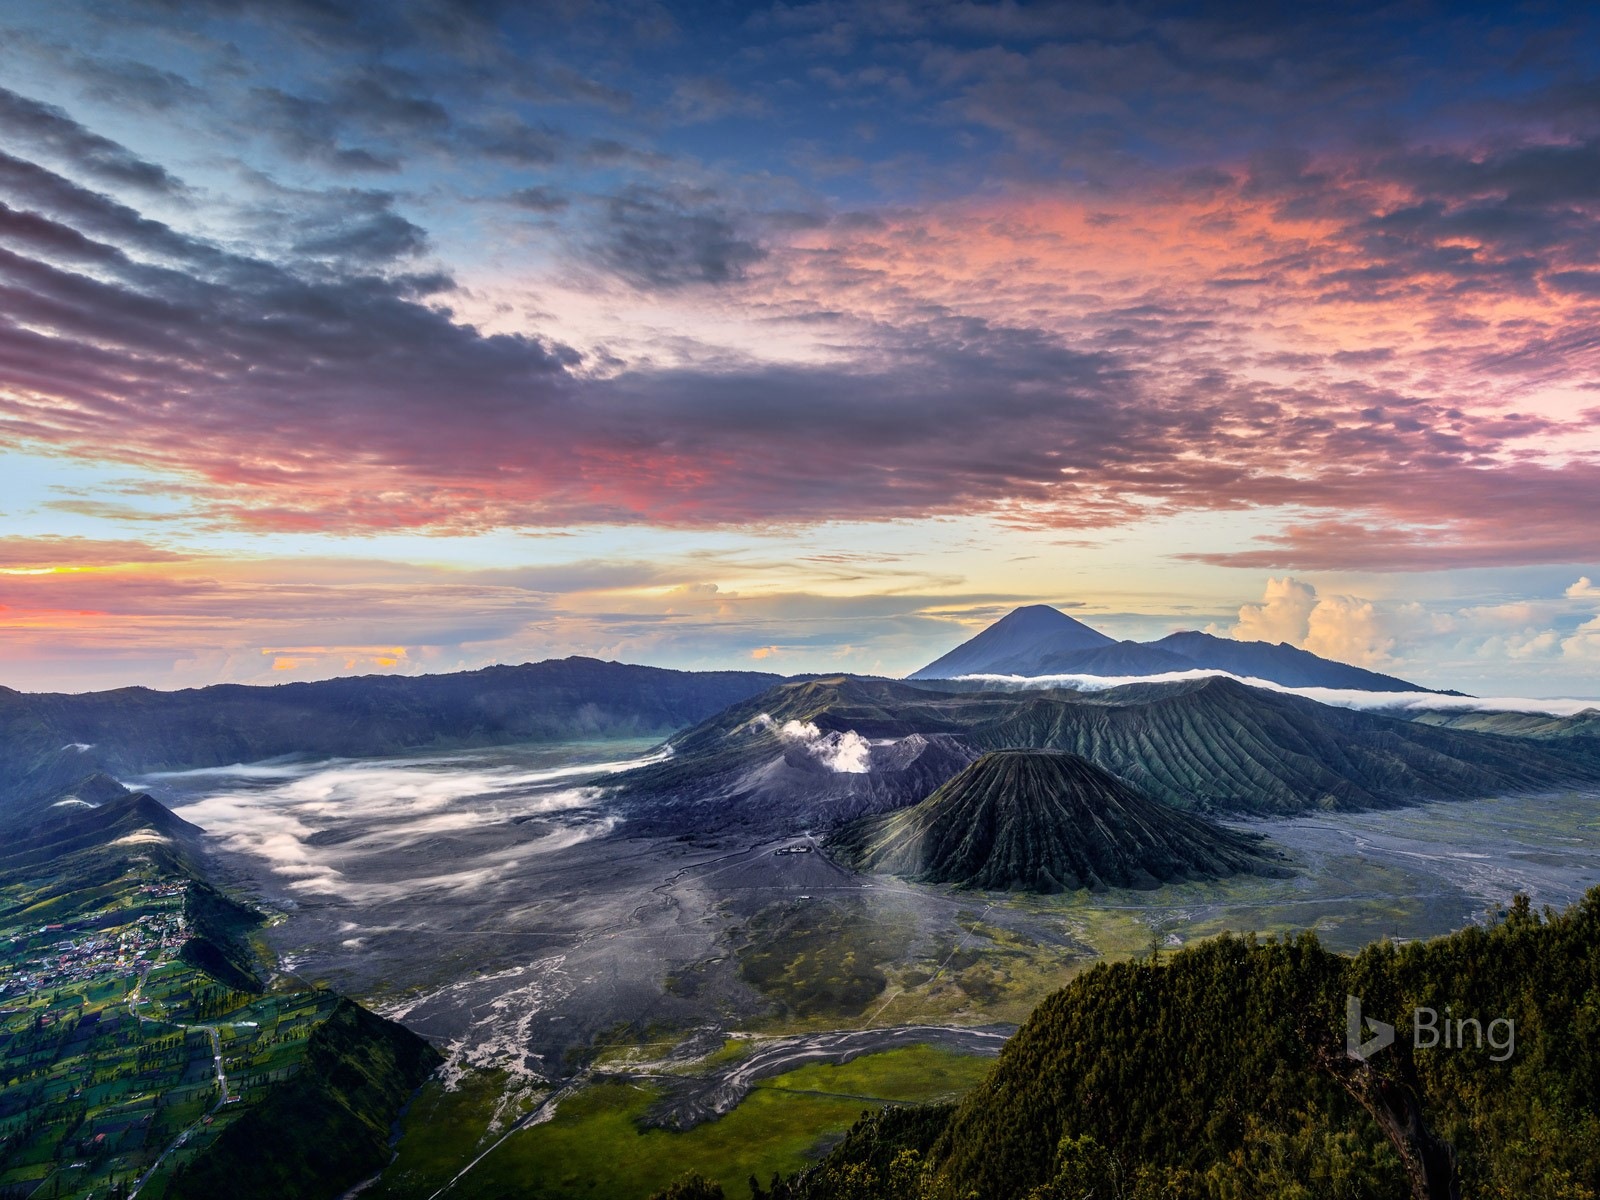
62 864
328 1126
1044 821
1585 724
1210 743
1220 744
129 985
800 755
1222 1071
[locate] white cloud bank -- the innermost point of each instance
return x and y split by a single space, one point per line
1340 697
376 807
1347 628
1550 632
848 753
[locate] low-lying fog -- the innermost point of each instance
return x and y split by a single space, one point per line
1358 698
334 828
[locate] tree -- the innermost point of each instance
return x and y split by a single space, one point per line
692 1186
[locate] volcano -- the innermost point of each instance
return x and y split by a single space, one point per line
1046 821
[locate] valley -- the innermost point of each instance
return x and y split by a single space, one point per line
561 966
495 902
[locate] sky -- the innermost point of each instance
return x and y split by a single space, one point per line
345 337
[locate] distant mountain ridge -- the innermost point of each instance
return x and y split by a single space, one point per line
1040 640
1023 642
51 743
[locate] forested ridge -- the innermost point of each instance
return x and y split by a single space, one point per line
1221 1073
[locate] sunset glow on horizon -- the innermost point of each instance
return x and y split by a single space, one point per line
343 338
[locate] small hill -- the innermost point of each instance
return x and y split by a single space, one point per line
131 820
61 863
327 1127
1045 821
1017 644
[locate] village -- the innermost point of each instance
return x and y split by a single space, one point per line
104 943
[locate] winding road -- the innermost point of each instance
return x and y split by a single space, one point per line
223 1096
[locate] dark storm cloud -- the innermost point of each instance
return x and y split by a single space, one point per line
375 237
339 400
373 120
136 85
537 200
340 24
1577 283
95 215
1523 176
48 129
392 101
308 384
657 239
312 130
519 143
495 41
1096 81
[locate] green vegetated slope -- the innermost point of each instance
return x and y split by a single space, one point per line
1210 743
53 742
1584 724
1046 821
219 937
1221 744
127 981
325 1127
1222 1072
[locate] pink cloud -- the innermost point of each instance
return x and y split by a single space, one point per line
1378 352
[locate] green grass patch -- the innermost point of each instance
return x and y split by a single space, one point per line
593 1147
731 1050
823 959
443 1129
